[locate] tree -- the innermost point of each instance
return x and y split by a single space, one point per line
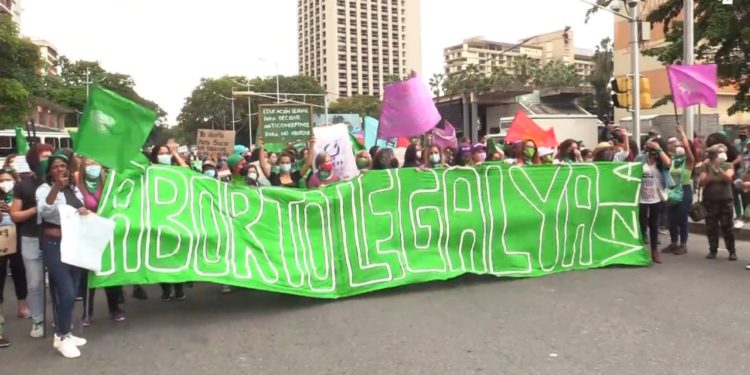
499 78
524 68
436 84
601 75
722 35
556 74
19 83
71 88
206 109
362 105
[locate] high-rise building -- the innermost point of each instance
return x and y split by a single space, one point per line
539 50
49 56
352 46
12 7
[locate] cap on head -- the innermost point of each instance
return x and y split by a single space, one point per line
240 149
234 160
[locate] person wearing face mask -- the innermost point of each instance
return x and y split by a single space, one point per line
91 188
681 171
384 159
655 163
23 212
433 158
238 167
742 140
286 177
324 175
478 154
528 154
252 176
167 155
209 169
412 156
568 152
7 182
364 161
273 161
716 180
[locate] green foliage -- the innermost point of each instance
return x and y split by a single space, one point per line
556 74
436 84
361 104
722 35
206 109
19 62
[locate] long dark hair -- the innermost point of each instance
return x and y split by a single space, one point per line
564 148
155 153
410 156
383 159
32 157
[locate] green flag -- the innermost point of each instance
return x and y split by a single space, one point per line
356 145
113 129
22 145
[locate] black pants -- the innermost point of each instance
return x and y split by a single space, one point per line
18 273
649 218
113 295
719 216
167 289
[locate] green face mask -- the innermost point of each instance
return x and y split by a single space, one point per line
529 152
363 163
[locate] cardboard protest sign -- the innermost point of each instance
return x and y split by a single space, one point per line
7 240
215 141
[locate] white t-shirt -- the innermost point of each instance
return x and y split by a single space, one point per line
651 186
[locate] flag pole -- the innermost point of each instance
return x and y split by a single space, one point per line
674 103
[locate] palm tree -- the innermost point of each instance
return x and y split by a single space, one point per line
499 78
524 68
437 82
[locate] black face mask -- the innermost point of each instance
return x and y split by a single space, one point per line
572 154
243 172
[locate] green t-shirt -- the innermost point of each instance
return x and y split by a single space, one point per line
717 188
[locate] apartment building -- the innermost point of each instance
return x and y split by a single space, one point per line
49 56
13 8
352 46
539 49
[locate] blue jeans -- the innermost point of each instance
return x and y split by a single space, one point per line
66 279
678 216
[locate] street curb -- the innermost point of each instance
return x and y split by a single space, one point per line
700 228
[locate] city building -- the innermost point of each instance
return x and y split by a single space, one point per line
656 72
49 56
12 7
353 46
539 49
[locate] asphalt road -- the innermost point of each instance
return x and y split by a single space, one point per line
687 316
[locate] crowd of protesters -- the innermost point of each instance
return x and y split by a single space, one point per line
33 187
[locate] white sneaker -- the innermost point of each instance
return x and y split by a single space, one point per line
77 341
739 224
747 267
37 330
66 347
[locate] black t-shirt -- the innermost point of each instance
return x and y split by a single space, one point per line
26 192
275 180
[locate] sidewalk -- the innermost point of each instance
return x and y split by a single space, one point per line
700 228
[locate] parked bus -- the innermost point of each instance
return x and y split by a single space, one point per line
8 144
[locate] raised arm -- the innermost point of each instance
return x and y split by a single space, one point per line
263 159
177 157
310 157
690 158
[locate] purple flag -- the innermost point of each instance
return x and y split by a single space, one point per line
445 137
407 109
693 84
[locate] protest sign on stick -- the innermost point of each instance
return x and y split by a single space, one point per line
284 124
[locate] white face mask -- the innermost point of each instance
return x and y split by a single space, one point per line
723 157
252 175
164 159
679 151
419 154
7 186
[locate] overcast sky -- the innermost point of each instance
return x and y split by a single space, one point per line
168 45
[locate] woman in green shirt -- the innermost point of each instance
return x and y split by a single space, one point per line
681 171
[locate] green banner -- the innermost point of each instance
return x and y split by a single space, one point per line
382 230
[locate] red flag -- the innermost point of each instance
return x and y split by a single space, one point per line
523 128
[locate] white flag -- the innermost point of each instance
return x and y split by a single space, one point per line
334 140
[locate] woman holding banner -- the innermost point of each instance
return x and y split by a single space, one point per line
58 191
91 187
528 154
433 157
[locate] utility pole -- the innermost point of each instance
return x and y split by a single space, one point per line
689 59
635 57
88 82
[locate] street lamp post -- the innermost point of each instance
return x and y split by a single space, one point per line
278 88
689 59
231 100
249 110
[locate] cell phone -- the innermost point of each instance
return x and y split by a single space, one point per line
182 149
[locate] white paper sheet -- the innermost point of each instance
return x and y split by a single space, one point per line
84 238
